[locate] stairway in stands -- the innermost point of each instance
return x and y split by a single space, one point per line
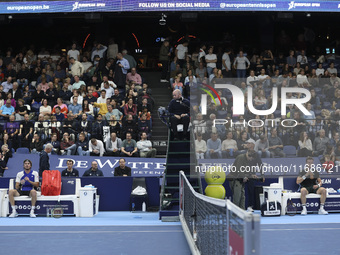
162 96
180 155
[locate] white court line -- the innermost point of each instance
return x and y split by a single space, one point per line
298 223
85 232
299 229
172 225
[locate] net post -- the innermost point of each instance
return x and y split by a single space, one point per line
191 242
248 220
256 237
228 225
181 192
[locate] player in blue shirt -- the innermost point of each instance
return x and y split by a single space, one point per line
24 186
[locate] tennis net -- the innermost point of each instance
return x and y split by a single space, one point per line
216 226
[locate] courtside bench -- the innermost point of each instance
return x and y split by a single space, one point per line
75 200
332 203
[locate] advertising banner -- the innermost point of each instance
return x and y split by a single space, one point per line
161 5
140 167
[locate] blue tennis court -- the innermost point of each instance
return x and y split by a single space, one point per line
125 233
107 233
300 235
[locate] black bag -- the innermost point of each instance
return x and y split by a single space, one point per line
272 208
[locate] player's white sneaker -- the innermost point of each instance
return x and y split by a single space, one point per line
322 211
32 215
304 212
13 214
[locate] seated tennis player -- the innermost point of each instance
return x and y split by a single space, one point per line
311 183
24 186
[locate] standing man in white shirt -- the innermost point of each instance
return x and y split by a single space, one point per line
77 68
201 54
100 49
181 53
226 64
109 90
211 60
73 53
112 49
145 147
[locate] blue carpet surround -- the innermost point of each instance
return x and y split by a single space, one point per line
125 233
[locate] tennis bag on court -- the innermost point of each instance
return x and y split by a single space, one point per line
272 208
51 183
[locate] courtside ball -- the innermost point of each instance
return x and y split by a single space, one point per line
215 177
215 191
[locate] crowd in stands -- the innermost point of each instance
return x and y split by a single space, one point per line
82 102
315 135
